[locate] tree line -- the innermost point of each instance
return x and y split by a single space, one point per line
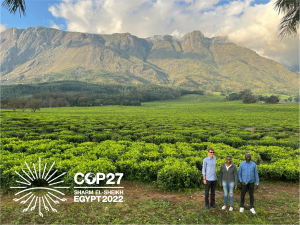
33 104
65 93
248 97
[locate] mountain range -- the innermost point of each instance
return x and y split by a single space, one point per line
194 62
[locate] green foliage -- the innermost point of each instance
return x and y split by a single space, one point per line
249 98
297 99
246 96
272 99
162 142
177 175
233 97
75 93
289 23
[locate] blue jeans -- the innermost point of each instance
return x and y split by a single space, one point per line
228 188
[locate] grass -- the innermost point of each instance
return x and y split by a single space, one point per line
276 202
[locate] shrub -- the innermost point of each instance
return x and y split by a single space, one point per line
178 175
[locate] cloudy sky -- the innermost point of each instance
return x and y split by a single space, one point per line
249 23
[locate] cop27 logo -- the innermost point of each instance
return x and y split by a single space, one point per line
51 194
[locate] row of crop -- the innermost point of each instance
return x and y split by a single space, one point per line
287 168
229 125
114 150
16 145
273 153
171 165
141 149
160 137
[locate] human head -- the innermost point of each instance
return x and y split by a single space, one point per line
228 159
247 157
211 152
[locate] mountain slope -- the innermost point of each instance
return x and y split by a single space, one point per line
196 62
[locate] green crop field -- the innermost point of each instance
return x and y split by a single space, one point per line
161 144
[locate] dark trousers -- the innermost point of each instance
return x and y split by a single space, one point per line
210 185
250 188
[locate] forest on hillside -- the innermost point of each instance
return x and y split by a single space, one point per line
76 93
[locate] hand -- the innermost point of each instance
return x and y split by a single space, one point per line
235 187
243 183
256 187
220 184
204 182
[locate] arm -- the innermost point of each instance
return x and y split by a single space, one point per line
235 176
240 173
256 175
220 175
204 171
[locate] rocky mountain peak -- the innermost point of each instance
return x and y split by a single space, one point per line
195 35
195 41
221 40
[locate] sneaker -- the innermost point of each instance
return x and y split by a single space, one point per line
207 207
213 206
224 207
252 210
242 209
230 208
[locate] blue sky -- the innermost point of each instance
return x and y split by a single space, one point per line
37 14
249 23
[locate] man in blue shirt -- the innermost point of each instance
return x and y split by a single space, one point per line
247 175
210 178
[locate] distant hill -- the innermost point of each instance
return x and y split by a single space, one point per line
195 62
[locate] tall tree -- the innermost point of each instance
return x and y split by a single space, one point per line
248 98
244 92
297 99
13 5
289 23
34 104
272 99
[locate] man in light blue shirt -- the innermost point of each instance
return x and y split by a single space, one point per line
247 175
210 178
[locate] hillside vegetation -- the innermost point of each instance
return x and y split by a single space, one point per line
195 62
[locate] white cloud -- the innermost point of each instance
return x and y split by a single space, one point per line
252 26
177 34
258 29
54 25
2 27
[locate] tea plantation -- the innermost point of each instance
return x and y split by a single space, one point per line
162 142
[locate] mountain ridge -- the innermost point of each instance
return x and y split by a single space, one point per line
196 62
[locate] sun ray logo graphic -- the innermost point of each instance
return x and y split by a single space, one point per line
51 193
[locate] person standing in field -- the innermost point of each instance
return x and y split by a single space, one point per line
247 175
210 178
228 178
